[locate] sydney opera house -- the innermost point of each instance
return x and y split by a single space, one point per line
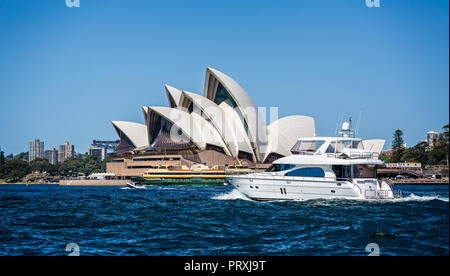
221 127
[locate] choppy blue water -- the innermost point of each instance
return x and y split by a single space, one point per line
42 220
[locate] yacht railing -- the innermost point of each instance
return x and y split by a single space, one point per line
356 155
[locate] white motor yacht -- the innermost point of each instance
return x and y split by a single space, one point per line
320 167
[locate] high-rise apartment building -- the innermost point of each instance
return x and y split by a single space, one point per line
69 150
52 156
100 152
61 153
35 150
65 152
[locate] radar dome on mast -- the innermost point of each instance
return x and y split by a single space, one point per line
346 130
345 126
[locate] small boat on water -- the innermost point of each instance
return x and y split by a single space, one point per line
134 185
320 167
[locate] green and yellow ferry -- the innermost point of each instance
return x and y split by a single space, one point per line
198 174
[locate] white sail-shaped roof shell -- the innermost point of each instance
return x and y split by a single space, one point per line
284 133
217 117
245 105
173 95
197 129
225 117
152 120
237 132
136 133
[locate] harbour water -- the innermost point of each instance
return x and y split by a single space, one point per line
44 219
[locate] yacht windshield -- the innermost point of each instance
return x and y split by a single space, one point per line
307 147
279 167
339 146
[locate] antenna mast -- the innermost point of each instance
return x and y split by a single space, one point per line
346 130
339 121
358 123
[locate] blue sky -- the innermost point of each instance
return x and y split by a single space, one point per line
65 73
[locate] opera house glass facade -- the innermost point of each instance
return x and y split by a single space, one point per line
222 126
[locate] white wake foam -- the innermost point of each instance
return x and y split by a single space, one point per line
138 188
231 195
413 197
235 194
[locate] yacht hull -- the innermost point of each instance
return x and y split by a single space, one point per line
290 189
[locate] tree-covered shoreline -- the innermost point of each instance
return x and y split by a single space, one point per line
15 169
436 154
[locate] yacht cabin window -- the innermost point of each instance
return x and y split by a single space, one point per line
355 171
365 171
307 172
307 147
279 167
342 172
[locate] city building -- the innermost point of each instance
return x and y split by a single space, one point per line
69 150
224 126
65 152
52 156
99 152
432 136
35 150
61 153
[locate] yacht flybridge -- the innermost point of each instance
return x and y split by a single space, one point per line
321 167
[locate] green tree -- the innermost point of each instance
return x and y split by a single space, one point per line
2 158
418 153
15 169
2 161
40 165
385 158
91 165
53 170
397 146
423 153
22 155
103 164
71 167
